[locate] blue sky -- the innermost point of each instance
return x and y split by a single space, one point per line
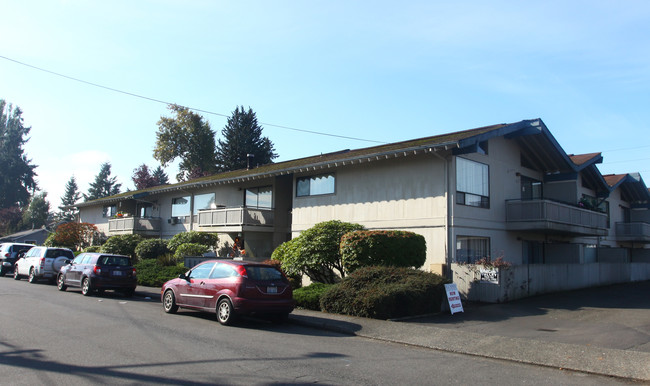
380 71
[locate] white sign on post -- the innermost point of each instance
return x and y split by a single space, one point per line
453 297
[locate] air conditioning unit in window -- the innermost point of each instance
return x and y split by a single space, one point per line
174 221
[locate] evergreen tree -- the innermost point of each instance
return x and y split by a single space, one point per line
38 212
160 176
70 197
188 137
104 184
142 178
16 171
243 136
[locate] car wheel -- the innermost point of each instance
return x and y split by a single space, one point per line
129 293
60 283
225 312
2 271
16 275
86 290
169 302
32 276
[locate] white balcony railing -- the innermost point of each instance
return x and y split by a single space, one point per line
236 217
633 231
134 225
552 215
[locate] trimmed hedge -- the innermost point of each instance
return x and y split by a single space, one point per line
208 239
151 248
190 249
385 293
153 274
382 248
122 245
309 297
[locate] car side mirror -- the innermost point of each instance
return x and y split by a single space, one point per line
21 255
67 261
183 276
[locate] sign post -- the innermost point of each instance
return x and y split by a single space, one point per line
455 305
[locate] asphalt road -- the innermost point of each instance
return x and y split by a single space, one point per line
48 337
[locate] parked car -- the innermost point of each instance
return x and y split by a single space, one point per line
99 272
42 263
9 253
230 288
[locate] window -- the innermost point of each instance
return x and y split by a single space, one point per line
469 249
201 271
259 197
181 206
204 201
222 271
316 185
530 189
472 183
109 211
145 210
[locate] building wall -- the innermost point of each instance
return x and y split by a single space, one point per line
407 193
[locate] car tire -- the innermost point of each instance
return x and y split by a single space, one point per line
169 302
60 283
225 312
2 271
129 293
32 276
86 289
16 275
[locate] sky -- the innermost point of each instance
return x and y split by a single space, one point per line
94 77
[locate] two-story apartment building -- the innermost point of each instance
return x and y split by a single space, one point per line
507 190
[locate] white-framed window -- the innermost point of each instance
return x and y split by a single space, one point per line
315 185
472 183
259 197
204 201
470 249
181 206
109 211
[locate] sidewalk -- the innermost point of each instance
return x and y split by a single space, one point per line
603 330
593 326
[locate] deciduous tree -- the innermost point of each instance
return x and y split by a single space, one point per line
188 137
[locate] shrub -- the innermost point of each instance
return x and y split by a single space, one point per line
168 260
73 235
122 245
316 251
295 280
153 274
190 249
93 248
309 297
386 292
382 248
151 248
204 238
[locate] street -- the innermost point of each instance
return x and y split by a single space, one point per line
51 337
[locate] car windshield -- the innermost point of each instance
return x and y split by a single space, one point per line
114 260
52 253
263 273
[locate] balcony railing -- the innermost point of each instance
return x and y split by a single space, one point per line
633 231
554 217
236 217
135 225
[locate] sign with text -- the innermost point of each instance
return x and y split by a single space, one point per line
489 275
453 297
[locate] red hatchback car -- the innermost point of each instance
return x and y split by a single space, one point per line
230 288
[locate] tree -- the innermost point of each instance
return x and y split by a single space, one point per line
243 136
9 219
36 215
70 197
188 137
16 171
74 235
142 178
160 176
104 184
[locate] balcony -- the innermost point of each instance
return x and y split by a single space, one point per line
149 226
236 218
548 216
633 231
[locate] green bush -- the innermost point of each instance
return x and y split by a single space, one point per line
208 239
122 245
153 274
316 251
190 249
385 293
151 248
309 297
382 248
93 248
295 279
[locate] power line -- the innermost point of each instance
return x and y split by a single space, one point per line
191 108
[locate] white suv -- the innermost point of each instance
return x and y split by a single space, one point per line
42 263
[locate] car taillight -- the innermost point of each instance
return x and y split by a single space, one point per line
42 262
7 254
133 271
241 270
97 270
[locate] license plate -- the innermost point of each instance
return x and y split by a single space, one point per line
117 273
272 290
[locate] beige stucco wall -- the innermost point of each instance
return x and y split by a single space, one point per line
407 193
